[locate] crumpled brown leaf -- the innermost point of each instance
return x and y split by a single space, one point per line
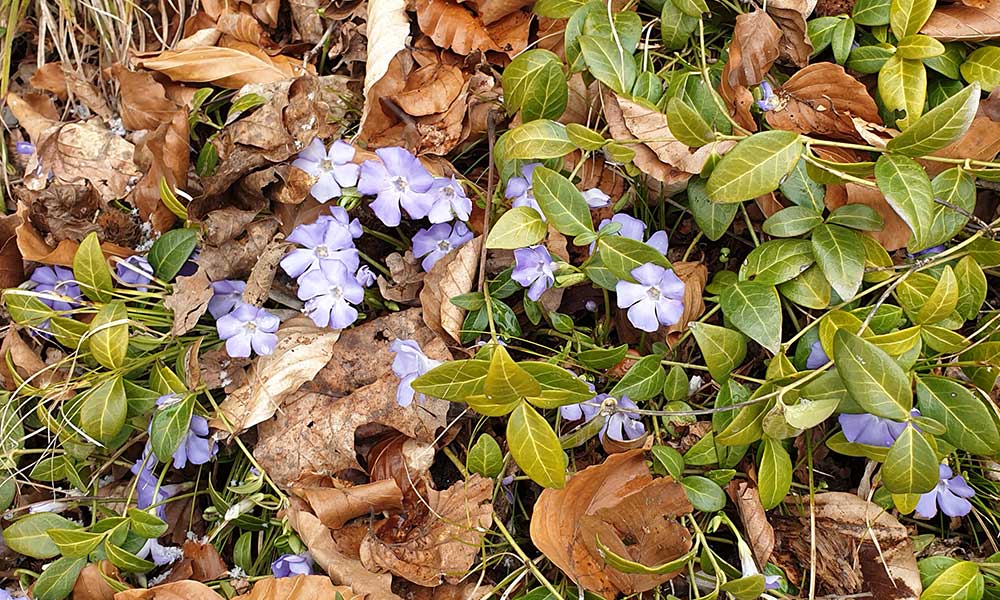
26 361
201 562
407 278
162 154
231 66
335 506
752 52
34 248
694 275
61 81
790 17
758 531
178 590
11 263
895 233
143 102
430 89
453 26
90 584
980 142
388 32
859 548
299 587
302 350
452 275
822 100
189 301
435 540
959 22
618 501
235 259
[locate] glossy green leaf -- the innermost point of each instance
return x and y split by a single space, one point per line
675 386
713 218
869 59
941 126
25 308
908 191
485 457
955 199
774 474
730 393
538 140
745 588
972 287
961 581
534 84
556 9
875 381
755 309
170 251
919 47
454 380
625 30
871 13
809 413
755 166
559 387
906 17
840 255
777 261
75 543
704 494
820 32
857 216
125 560
563 204
842 40
692 8
942 300
602 358
145 524
722 349
643 380
169 426
911 465
801 189
519 227
609 63
535 447
969 424
29 536
902 85
810 289
792 221
687 124
982 66
675 26
584 137
102 413
57 580
621 255
668 461
109 335
90 269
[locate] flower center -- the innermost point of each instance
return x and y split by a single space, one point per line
326 164
250 327
400 184
322 251
444 246
337 292
447 192
653 292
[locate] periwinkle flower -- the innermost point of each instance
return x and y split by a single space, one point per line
135 271
520 191
929 251
433 243
332 168
148 490
409 363
289 565
197 447
161 555
56 281
534 269
248 328
657 299
624 425
226 294
950 494
339 218
583 410
365 276
397 180
748 566
634 229
870 430
24 148
596 198
449 201
323 242
817 356
768 99
329 293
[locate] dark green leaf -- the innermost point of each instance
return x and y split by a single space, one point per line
911 465
875 381
714 218
755 309
643 380
169 426
169 253
908 191
840 255
57 580
563 204
792 221
969 424
705 495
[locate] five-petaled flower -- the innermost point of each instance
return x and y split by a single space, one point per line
289 565
657 299
534 269
197 447
520 191
433 243
58 287
226 294
330 293
397 179
621 425
324 242
148 490
409 363
870 430
135 271
634 229
332 168
248 327
449 201
951 494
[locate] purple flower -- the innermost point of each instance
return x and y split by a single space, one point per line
534 269
399 179
148 490
324 241
289 565
365 276
950 494
197 447
634 229
24 148
870 430
749 567
332 168
248 327
338 217
623 425
410 362
520 191
596 198
583 410
449 201
438 240
135 271
330 293
161 555
768 99
817 356
227 293
929 251
658 298
56 281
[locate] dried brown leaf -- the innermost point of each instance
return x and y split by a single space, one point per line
63 82
694 275
752 52
26 360
91 585
163 155
337 506
490 11
11 263
790 17
143 102
201 562
961 23
234 259
34 248
299 587
430 89
245 28
895 234
178 590
758 531
452 275
388 32
822 99
230 67
453 26
407 278
189 301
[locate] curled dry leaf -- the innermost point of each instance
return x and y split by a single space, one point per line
895 233
143 101
758 531
790 17
33 246
336 506
437 539
407 278
302 350
403 459
162 155
262 275
297 588
91 585
63 82
960 22
859 548
980 142
178 590
201 562
230 67
618 501
11 263
694 275
556 244
25 360
234 259
822 99
752 52
453 26
189 301
315 433
453 275
430 89
342 569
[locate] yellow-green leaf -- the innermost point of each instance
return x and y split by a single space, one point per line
755 166
535 447
108 339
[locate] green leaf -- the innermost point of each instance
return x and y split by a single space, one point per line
942 301
774 474
563 204
755 309
75 543
25 308
755 166
625 565
102 414
108 339
519 227
875 381
608 63
810 289
28 536
908 191
705 495
687 124
169 426
535 447
820 32
584 137
125 560
621 255
911 465
957 188
869 59
840 255
730 393
145 524
713 218
675 386
972 287
801 189
871 13
919 47
91 271
982 66
668 461
538 140
792 221
941 126
722 349
602 358
626 29
961 581
170 251
454 380
692 8
777 261
57 580
534 83
557 9
906 17
857 216
902 85
643 381
842 39
746 588
506 382
485 457
49 469
809 413
970 426
558 386
675 26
